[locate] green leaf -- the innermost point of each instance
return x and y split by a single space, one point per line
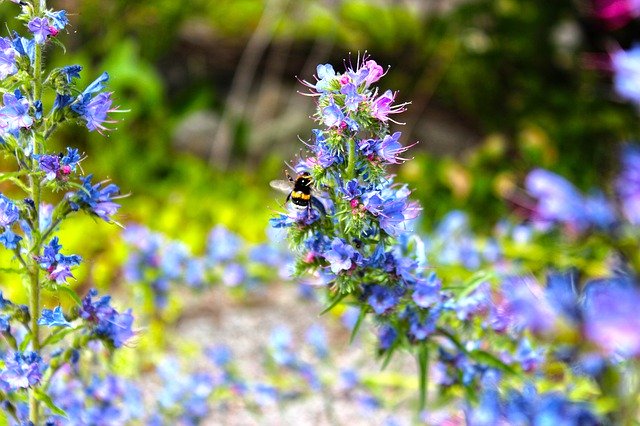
334 302
46 399
57 336
387 358
25 342
11 270
356 327
71 293
487 358
475 280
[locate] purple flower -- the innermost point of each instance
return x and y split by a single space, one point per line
375 72
21 370
352 97
390 149
95 199
50 164
234 274
611 317
9 213
341 257
369 147
55 263
616 13
381 299
628 183
94 110
523 306
8 54
558 201
106 322
381 107
41 29
626 72
53 318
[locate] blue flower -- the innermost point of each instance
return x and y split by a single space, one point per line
70 72
53 318
222 245
220 355
626 71
420 329
381 299
9 239
332 115
326 76
95 199
316 336
427 294
24 46
627 183
341 257
386 337
21 370
9 213
58 18
50 164
107 323
8 65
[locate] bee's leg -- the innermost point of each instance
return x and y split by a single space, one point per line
288 198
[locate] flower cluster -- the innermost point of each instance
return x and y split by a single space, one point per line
360 246
161 264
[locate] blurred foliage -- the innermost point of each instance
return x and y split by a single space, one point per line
516 71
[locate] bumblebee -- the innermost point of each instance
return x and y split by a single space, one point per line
299 191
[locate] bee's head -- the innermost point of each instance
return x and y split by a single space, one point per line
304 178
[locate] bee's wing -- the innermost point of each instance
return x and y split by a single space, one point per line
281 185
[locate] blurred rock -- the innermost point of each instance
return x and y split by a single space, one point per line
195 134
441 132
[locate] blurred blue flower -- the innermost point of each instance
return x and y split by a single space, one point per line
53 318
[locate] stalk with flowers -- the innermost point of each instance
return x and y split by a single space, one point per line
363 250
40 341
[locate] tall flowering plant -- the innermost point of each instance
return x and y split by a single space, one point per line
38 341
359 244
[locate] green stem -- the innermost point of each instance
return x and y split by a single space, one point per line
423 368
34 270
351 160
